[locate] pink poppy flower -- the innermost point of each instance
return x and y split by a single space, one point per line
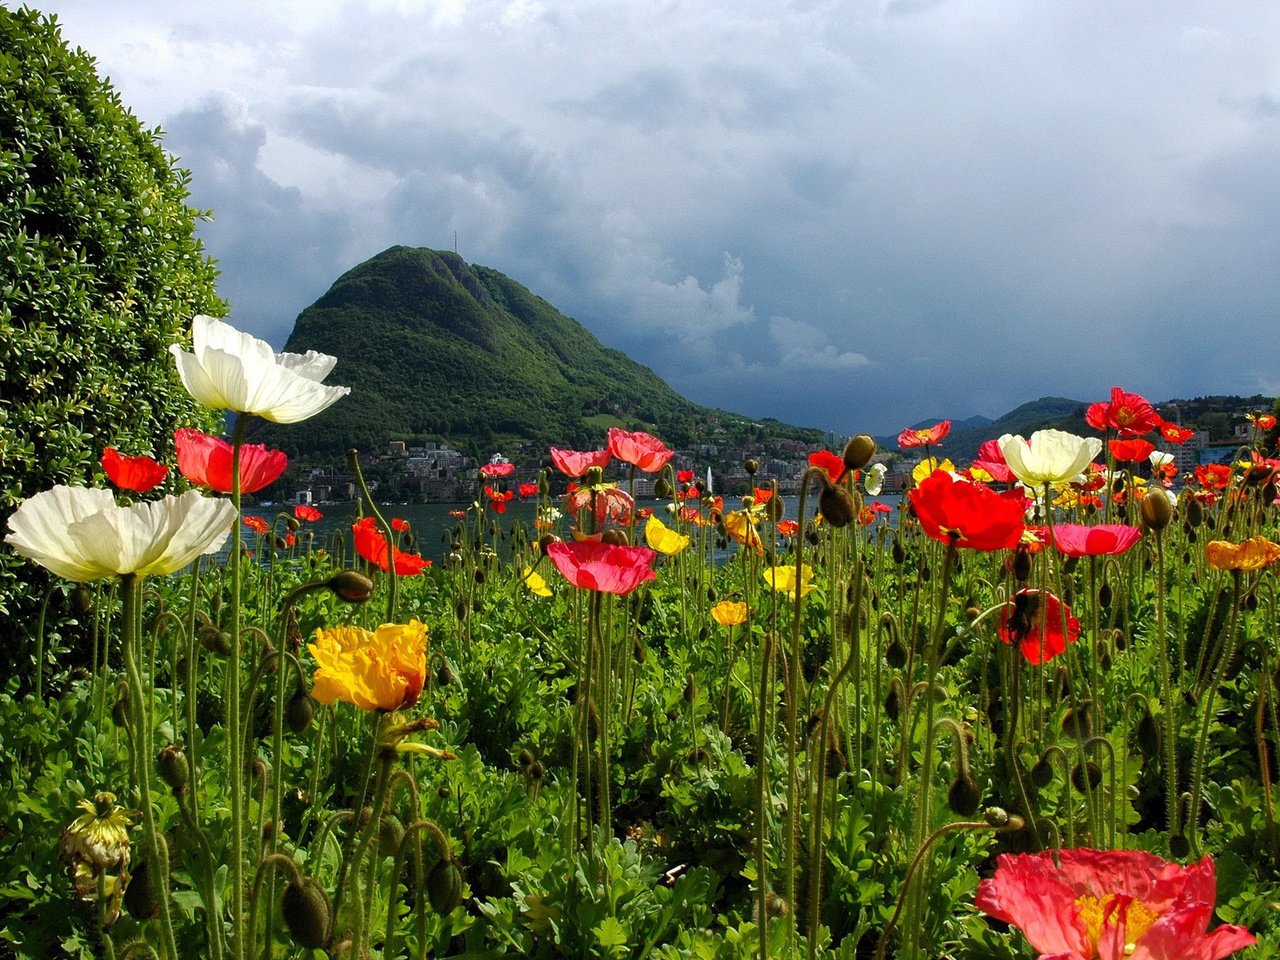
642 450
1104 539
599 566
206 462
923 438
498 468
574 463
1083 904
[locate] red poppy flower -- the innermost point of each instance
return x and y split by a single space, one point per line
692 493
498 468
1127 414
923 438
1110 904
690 515
762 495
304 512
1131 451
968 514
1174 433
527 490
1213 476
138 474
599 566
830 463
644 513
642 450
1021 622
372 545
399 525
257 524
684 476
498 498
879 507
1091 500
206 462
573 463
1104 539
788 528
1262 421
457 514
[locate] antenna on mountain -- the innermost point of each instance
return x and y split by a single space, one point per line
455 241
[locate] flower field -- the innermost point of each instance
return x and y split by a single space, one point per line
1030 713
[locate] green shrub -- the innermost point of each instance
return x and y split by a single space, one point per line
100 271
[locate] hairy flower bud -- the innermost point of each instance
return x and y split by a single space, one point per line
858 452
444 886
351 586
836 505
1156 511
307 913
171 765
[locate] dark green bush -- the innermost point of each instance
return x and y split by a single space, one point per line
100 271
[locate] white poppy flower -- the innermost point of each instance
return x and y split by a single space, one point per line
873 482
1051 456
81 533
1159 458
231 370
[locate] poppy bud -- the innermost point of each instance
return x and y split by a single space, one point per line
444 675
1156 511
122 709
215 640
525 759
544 484
478 575
896 654
545 541
594 477
690 688
897 552
834 760
775 508
1078 723
1148 734
1042 773
351 586
751 465
858 452
964 796
390 833
307 913
81 599
444 886
299 711
1179 846
1021 565
892 703
662 488
836 505
996 817
1104 595
1090 770
775 906
615 537
141 898
171 765
639 652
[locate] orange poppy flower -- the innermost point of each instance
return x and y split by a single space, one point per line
380 670
644 451
1131 451
1213 476
1254 554
308 513
372 546
1174 433
257 524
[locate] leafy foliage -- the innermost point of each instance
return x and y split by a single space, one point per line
99 272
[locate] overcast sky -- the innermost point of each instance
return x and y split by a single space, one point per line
851 215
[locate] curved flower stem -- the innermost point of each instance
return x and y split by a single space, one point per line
235 754
44 608
347 860
762 791
266 866
363 899
157 858
1170 700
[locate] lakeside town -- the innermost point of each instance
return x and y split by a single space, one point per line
435 472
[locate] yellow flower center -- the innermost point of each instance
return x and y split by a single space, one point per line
1093 912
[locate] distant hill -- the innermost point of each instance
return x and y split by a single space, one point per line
434 348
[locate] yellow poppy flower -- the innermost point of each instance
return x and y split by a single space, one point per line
783 579
533 580
729 613
1254 554
930 465
380 670
741 527
663 539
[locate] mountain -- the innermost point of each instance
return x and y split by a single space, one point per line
436 348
